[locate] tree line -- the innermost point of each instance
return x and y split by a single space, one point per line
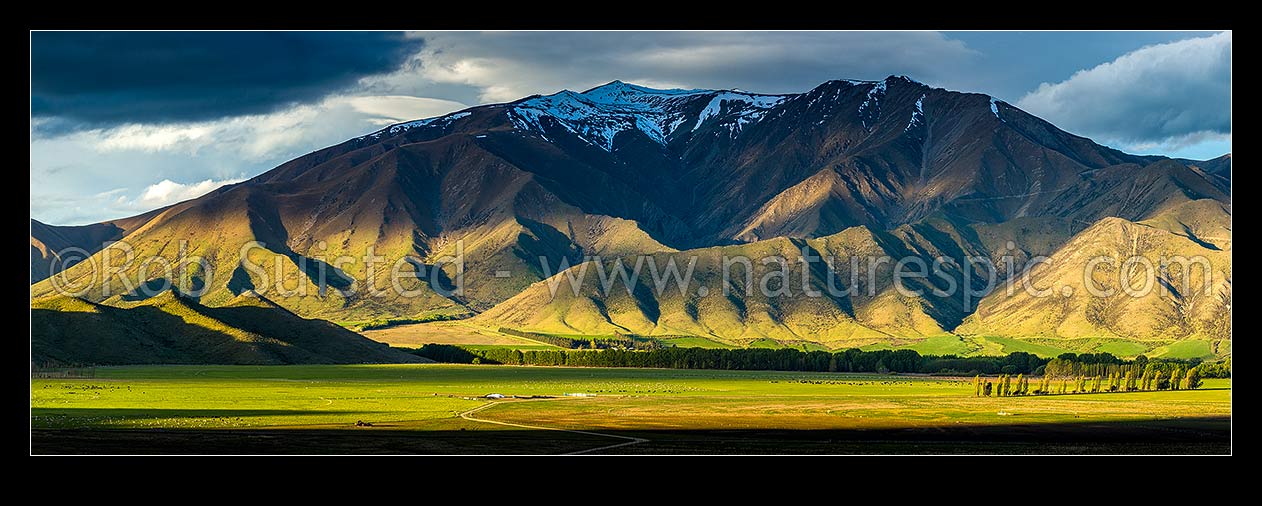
1017 362
1152 378
752 359
1105 365
1020 365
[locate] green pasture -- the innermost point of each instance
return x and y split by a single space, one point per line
431 396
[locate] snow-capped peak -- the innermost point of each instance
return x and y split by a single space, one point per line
599 114
618 92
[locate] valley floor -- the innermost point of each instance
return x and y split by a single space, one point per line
442 409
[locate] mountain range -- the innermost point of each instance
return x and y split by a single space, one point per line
891 167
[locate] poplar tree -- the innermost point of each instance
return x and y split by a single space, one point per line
1193 379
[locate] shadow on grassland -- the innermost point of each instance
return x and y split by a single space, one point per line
1211 435
95 416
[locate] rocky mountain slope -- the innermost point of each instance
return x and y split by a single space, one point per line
893 166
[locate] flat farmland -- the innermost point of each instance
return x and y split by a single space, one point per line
433 408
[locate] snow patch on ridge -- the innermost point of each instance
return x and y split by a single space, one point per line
870 109
594 121
876 92
443 121
753 109
994 108
917 115
394 129
598 115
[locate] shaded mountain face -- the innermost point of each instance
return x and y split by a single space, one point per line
54 248
171 329
1218 168
623 170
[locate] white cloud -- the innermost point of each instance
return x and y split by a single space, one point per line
1162 97
169 192
154 138
68 171
111 193
398 108
61 207
255 137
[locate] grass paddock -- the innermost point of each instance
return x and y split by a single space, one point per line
230 409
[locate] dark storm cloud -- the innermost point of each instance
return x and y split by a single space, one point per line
106 78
